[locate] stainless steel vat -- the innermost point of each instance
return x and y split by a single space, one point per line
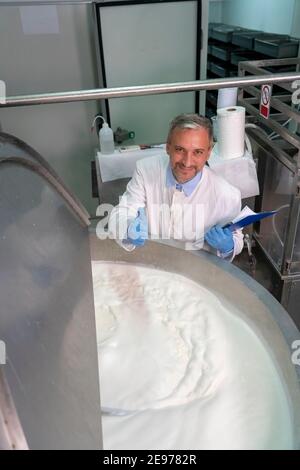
247 298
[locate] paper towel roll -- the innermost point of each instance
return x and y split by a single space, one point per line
227 97
231 132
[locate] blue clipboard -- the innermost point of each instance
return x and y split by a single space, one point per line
250 219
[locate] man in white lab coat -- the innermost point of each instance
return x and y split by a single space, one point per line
175 198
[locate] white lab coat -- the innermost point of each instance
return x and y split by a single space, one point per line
213 201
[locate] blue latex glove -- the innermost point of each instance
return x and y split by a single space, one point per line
220 238
137 231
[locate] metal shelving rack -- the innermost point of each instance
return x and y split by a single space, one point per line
228 45
276 146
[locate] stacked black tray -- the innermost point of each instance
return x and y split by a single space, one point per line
228 45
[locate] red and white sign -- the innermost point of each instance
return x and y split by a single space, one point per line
265 100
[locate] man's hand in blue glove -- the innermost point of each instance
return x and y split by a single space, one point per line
137 231
220 238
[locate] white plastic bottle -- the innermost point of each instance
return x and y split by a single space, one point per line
106 139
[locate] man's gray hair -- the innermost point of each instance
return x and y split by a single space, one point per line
190 121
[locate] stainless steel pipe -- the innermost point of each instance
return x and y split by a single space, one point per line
121 92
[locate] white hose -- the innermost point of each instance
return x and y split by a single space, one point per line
248 145
95 119
274 223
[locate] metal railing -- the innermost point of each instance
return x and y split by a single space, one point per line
157 89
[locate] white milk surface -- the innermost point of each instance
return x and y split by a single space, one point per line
178 370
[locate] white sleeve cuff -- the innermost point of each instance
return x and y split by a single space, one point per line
126 245
226 254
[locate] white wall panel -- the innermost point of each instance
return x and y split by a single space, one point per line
147 44
53 62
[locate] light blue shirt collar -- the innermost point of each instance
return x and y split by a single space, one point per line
187 187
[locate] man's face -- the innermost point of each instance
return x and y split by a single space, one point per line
188 150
